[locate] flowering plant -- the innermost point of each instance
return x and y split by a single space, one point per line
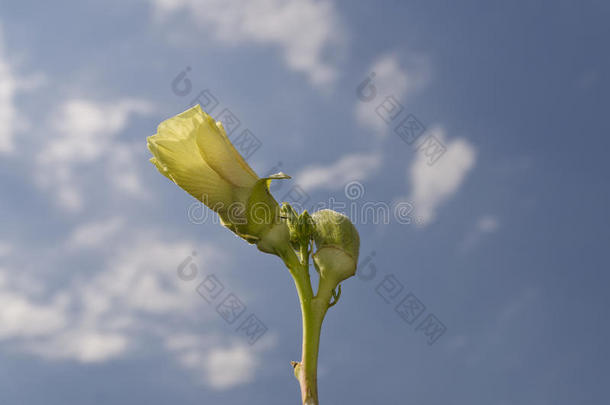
193 151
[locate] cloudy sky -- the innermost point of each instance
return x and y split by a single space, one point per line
468 143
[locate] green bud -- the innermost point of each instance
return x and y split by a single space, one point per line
337 243
304 227
288 213
300 227
290 216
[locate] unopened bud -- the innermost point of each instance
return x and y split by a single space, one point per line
337 243
304 227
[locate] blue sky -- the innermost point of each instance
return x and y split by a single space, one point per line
499 235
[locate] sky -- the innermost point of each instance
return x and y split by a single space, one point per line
467 142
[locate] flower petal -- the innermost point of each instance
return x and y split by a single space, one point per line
220 154
178 158
214 145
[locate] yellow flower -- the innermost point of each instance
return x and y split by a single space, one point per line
193 151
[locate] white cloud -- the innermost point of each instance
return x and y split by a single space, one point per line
94 234
142 277
226 367
306 31
395 78
487 224
136 295
432 185
11 85
84 132
8 111
87 128
85 346
21 316
221 364
350 167
122 169
95 319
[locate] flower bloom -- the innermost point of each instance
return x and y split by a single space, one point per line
193 151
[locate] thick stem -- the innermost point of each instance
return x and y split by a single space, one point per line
307 370
313 310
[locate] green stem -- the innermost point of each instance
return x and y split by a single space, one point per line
307 370
313 309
